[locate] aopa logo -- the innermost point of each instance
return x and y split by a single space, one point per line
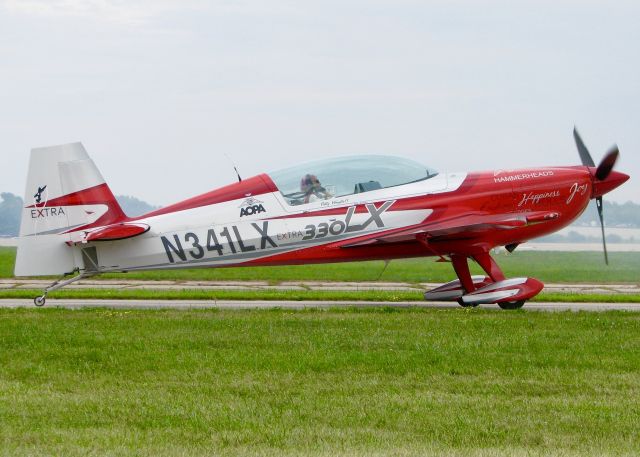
251 206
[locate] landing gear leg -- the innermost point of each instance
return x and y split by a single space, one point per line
461 267
59 284
490 266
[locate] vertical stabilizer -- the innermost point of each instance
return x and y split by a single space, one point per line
65 193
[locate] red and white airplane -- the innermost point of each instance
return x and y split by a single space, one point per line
338 210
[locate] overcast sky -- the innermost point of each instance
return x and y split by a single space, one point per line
159 91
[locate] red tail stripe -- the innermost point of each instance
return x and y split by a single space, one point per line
100 194
97 195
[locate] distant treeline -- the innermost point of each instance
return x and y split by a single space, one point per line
10 207
616 214
576 237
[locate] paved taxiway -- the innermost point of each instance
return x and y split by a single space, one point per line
258 304
128 284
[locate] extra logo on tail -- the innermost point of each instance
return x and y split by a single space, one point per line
38 195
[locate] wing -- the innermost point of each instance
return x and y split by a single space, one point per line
461 227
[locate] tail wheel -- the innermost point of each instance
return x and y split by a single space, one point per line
512 304
39 301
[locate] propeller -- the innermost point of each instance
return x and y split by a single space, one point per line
586 158
602 173
604 240
607 163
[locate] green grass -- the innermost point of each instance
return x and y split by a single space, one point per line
318 295
7 261
351 382
578 267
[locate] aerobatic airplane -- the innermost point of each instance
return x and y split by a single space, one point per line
336 210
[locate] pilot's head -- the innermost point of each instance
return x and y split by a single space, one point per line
308 182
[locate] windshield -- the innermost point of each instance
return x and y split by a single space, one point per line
342 176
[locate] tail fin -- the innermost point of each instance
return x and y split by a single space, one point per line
65 193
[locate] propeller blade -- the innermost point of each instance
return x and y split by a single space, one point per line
604 242
607 163
586 158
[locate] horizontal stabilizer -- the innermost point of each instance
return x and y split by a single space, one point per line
112 232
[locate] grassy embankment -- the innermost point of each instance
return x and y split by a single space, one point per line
581 267
337 382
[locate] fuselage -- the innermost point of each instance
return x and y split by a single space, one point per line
250 223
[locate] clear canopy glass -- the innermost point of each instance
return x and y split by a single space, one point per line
342 176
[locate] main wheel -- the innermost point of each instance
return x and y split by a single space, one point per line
466 305
511 304
39 301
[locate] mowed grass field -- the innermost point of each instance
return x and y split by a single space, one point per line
334 382
563 267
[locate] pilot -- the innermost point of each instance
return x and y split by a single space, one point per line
312 189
